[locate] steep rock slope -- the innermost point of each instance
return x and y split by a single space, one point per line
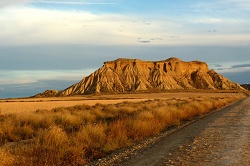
123 75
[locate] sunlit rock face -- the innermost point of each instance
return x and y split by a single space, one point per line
131 75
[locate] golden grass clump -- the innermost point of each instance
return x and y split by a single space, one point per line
92 135
50 145
117 136
78 134
6 158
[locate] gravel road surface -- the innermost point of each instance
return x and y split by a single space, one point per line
220 138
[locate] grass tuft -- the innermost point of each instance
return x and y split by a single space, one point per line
7 159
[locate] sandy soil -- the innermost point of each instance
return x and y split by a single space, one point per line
220 138
8 106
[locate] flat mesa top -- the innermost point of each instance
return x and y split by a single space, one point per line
172 59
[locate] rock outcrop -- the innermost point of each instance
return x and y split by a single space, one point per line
48 93
246 86
130 75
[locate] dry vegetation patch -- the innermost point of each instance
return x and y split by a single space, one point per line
78 134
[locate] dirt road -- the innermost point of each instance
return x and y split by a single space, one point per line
222 138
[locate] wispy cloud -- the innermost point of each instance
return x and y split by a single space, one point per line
44 26
241 66
73 2
12 77
234 68
36 26
243 4
4 3
217 4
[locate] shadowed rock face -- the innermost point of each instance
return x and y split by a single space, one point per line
246 86
48 93
128 75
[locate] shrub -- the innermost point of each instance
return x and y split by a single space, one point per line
92 138
117 136
50 146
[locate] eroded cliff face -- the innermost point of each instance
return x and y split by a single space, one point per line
128 75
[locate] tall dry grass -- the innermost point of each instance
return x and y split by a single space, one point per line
6 158
75 135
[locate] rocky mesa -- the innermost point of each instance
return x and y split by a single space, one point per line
130 75
126 75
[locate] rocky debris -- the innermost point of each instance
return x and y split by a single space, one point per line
131 75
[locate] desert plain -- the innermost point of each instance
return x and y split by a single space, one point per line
28 105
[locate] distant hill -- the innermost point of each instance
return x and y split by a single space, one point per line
130 75
246 86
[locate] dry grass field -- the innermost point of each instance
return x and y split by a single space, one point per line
76 130
27 105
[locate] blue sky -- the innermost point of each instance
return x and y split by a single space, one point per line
50 44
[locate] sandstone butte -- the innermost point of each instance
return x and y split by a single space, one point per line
131 75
